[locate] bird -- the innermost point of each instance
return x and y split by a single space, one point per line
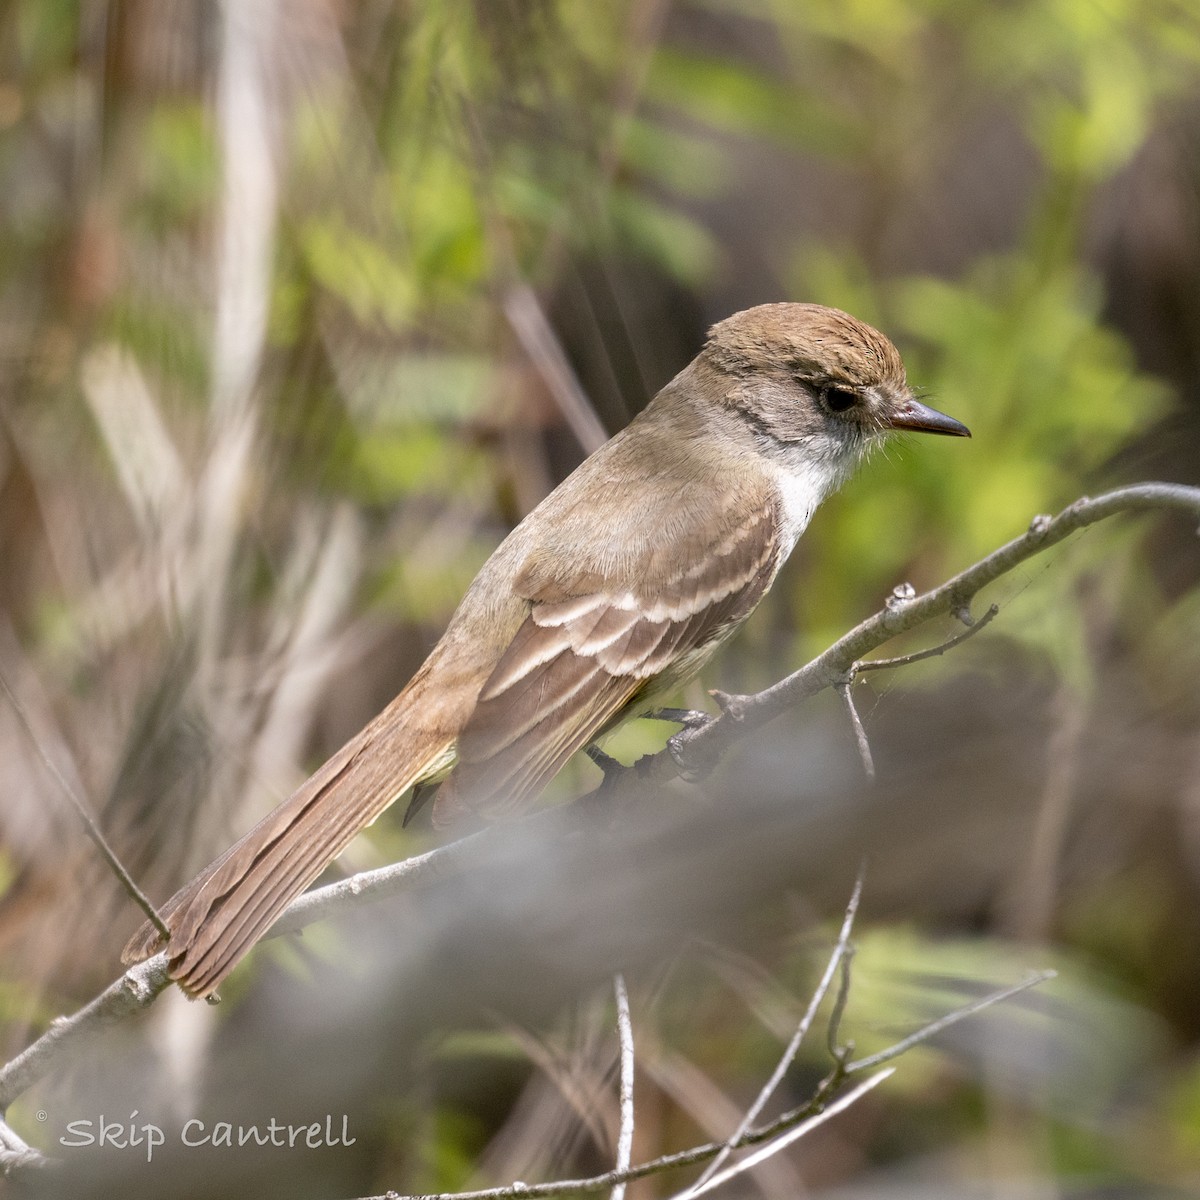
610 594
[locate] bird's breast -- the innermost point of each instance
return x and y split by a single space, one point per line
800 491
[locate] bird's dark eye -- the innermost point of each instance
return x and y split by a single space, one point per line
838 400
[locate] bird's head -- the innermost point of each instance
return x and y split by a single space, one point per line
816 380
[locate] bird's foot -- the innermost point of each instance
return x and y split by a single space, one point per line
677 749
611 767
692 762
691 720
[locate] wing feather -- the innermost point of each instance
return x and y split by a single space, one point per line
544 697
522 769
579 661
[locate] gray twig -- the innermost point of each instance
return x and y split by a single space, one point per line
136 989
840 1052
952 1018
793 1047
843 1067
140 985
860 734
903 660
16 1154
667 1162
794 1134
625 1036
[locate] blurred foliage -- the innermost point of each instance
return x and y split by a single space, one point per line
957 174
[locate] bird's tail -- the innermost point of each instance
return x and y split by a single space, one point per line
219 915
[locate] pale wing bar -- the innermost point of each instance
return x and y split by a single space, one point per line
577 662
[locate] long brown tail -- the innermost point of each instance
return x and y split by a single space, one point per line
221 913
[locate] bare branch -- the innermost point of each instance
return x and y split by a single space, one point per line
135 990
860 734
138 987
796 1133
16 1154
368 886
141 984
952 1018
625 1035
793 1047
903 660
668 1162
839 1051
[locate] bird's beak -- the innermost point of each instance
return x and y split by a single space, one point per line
920 418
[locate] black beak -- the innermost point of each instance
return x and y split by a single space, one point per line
920 418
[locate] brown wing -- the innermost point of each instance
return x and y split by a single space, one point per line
578 661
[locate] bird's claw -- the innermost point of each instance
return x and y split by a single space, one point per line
689 718
677 749
611 767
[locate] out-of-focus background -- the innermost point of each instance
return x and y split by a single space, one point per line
304 303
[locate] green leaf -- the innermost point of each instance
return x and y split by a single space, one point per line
370 282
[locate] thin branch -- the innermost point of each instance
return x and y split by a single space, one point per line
952 1018
839 1052
89 825
16 1154
625 1035
843 1069
860 734
135 990
793 1047
903 660
793 1135
369 886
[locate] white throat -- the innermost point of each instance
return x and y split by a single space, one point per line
801 489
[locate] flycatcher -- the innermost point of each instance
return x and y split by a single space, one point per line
611 593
